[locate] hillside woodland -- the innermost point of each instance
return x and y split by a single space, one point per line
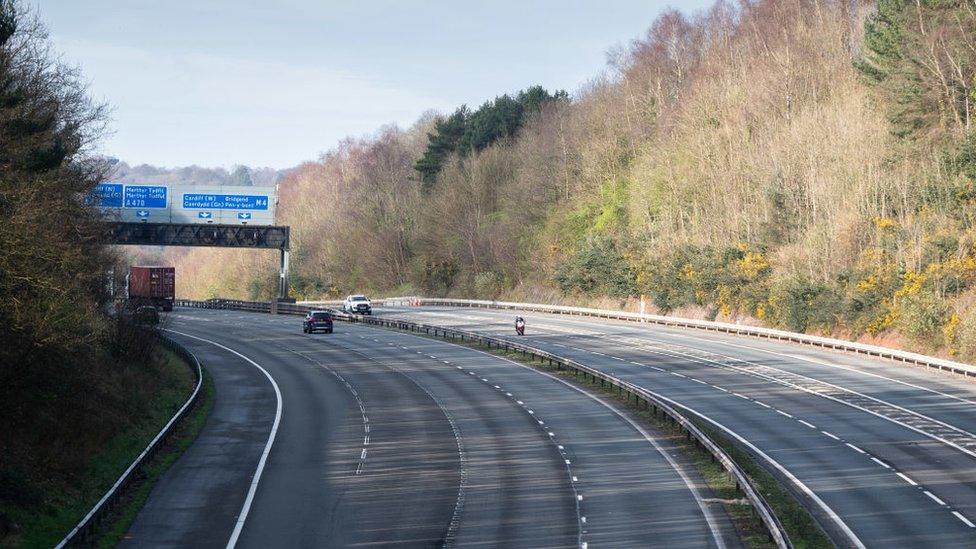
802 164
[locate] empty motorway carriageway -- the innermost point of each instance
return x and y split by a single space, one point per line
882 454
370 437
378 437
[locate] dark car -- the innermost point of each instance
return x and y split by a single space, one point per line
147 315
317 321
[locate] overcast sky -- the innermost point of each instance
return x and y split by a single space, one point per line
224 82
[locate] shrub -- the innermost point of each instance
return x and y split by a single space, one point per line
598 268
921 317
797 304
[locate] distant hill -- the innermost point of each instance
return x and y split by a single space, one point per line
195 175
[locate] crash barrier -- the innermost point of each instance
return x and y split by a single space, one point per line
82 534
737 329
642 398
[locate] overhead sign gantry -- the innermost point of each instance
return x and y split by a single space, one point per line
194 215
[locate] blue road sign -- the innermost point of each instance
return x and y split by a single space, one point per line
106 195
142 213
145 196
205 215
194 201
243 215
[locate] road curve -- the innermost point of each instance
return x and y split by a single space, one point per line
392 439
889 449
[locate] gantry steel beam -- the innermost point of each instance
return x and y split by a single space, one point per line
222 236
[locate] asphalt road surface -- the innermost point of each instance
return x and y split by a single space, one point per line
883 454
373 437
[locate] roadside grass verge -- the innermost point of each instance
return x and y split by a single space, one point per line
802 529
52 506
120 519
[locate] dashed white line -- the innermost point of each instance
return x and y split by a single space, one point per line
807 423
907 479
782 413
881 463
964 519
855 448
764 405
934 497
831 435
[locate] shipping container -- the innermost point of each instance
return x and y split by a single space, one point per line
152 286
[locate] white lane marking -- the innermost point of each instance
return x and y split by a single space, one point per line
964 519
907 479
834 517
618 358
696 380
782 413
811 360
740 395
934 497
855 448
881 463
598 353
706 510
831 435
764 405
677 374
807 423
773 379
256 479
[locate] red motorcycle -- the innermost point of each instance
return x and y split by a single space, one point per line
519 326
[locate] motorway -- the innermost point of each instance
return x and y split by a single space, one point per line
374 437
883 454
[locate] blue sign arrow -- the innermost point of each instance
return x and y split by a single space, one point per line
243 215
204 215
142 213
